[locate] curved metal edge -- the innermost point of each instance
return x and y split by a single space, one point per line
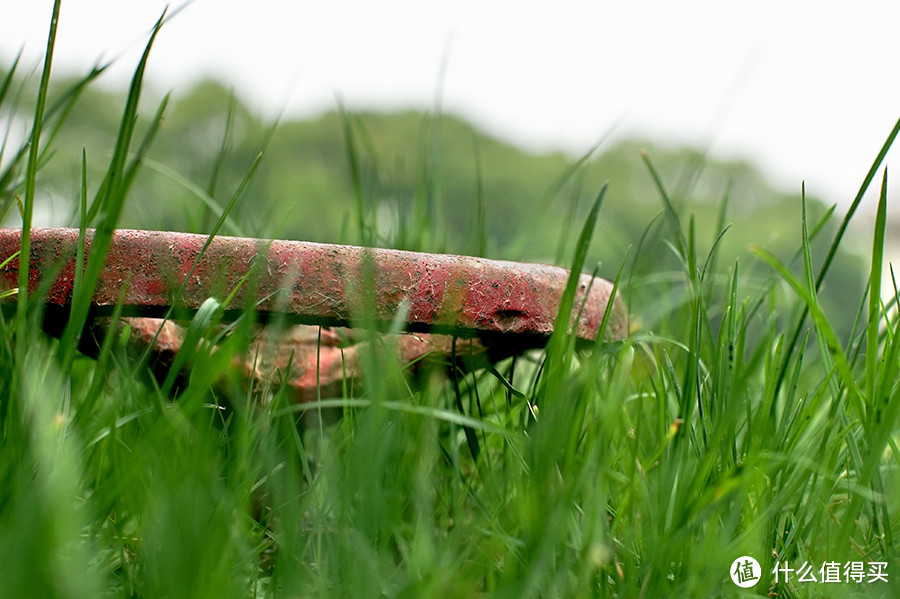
321 283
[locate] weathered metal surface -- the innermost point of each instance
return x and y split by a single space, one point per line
321 284
310 362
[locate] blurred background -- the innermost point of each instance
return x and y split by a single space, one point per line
804 90
463 123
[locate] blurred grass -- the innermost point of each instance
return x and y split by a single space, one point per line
735 422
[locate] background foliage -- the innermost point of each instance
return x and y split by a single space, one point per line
419 172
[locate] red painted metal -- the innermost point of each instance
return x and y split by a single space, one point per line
310 362
507 302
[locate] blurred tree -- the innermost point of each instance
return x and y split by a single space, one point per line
428 182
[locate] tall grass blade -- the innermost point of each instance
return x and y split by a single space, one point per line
143 147
831 343
109 206
31 176
64 106
232 226
671 214
223 218
58 110
8 78
874 314
558 347
364 228
539 215
481 229
839 235
222 154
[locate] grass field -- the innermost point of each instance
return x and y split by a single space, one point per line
733 422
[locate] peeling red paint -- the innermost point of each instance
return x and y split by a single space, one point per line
321 284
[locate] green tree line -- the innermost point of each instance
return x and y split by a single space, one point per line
424 181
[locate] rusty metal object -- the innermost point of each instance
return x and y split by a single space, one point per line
499 308
311 362
322 284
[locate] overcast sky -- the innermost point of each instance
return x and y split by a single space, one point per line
806 90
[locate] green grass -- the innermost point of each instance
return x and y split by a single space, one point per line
742 424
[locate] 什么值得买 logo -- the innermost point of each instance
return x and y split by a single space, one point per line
745 571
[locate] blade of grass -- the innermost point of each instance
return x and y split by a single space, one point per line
203 321
138 157
828 351
30 179
561 342
711 264
832 345
64 106
538 216
224 150
685 250
569 219
215 231
78 279
610 305
832 250
8 78
364 227
229 223
875 293
671 214
109 206
481 231
882 412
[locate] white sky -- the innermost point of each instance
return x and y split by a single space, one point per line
806 90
